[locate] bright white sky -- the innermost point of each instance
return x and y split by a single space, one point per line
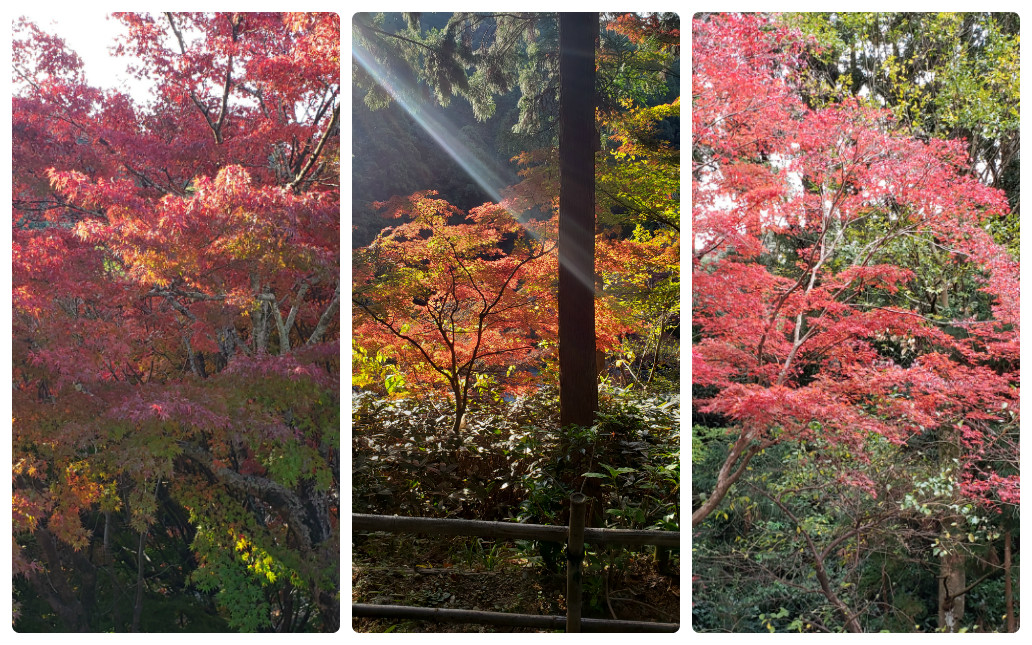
90 33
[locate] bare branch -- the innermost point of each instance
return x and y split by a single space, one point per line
276 495
326 318
331 129
216 128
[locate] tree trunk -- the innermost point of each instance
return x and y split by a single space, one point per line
328 316
848 618
54 585
578 389
460 408
329 610
659 344
952 580
287 611
1008 589
259 318
138 604
740 455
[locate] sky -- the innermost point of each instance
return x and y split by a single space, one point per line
89 33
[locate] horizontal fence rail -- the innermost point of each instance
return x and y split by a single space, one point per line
480 528
509 620
575 535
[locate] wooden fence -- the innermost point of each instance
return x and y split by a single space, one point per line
575 535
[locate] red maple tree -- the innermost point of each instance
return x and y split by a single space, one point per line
176 290
813 230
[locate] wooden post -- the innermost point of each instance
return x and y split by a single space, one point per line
574 557
663 559
578 384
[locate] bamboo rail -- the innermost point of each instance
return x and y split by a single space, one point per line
575 535
500 618
510 530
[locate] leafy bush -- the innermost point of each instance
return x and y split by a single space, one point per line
408 460
512 462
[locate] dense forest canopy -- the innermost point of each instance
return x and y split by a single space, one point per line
946 75
175 329
425 138
855 322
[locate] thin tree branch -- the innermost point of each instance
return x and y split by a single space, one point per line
326 318
331 129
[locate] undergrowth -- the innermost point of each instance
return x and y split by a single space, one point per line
513 463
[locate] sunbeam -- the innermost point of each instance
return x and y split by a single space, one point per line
489 176
490 179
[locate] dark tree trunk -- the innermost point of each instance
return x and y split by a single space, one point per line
952 567
329 607
952 581
578 389
56 587
1008 590
461 401
138 603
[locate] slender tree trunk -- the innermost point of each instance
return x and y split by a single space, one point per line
728 474
460 413
952 579
287 611
848 618
1008 590
328 316
578 388
659 344
260 318
952 575
138 604
53 585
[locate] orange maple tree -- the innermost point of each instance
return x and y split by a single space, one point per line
447 299
460 301
175 318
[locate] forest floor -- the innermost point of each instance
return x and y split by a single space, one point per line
464 573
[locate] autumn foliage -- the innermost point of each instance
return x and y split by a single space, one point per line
455 298
175 332
814 232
